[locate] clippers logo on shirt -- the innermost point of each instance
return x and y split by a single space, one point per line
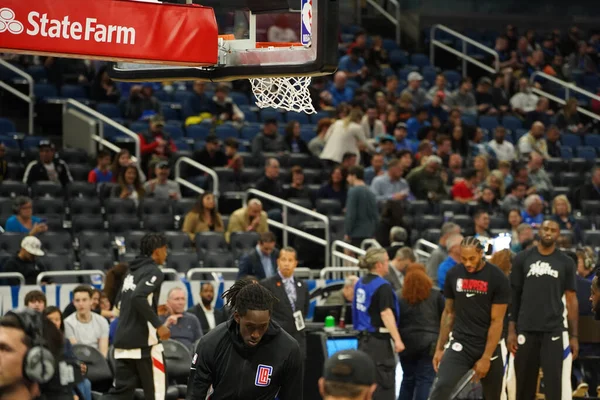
263 375
471 286
540 268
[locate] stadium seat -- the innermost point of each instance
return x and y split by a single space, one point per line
74 156
7 126
218 259
566 153
512 123
452 206
81 190
178 359
488 122
174 131
270 113
425 222
73 92
116 206
13 189
132 240
453 77
556 165
465 222
182 262
152 206
98 370
6 207
37 72
182 206
248 132
87 222
498 222
249 176
315 118
418 207
572 179
590 207
226 131
54 221
139 126
108 109
81 205
10 143
242 242
158 223
570 140
239 98
227 179
230 201
105 189
197 132
586 152
56 242
250 114
592 139
328 206
302 118
431 235
398 58
48 206
178 241
60 262
169 112
100 261
207 241
42 91
120 223
10 242
591 238
181 96
46 189
94 242
79 172
420 60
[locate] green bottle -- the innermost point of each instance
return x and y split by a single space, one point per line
329 323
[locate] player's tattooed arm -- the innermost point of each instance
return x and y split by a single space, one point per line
446 324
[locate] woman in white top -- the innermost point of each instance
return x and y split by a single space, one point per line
346 136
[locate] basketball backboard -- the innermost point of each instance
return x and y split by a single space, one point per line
244 47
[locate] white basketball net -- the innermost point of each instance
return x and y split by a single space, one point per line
290 93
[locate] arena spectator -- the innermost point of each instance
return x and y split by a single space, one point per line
294 143
419 95
156 144
495 181
121 162
416 123
376 169
514 199
103 89
400 134
460 142
553 142
534 64
197 102
340 92
538 177
129 185
23 220
297 188
234 159
269 140
421 307
568 118
85 326
280 31
440 85
589 190
211 155
345 136
162 187
48 167
533 212
372 126
426 183
514 220
506 55
453 247
477 146
251 218
505 169
270 183
26 262
465 190
317 144
581 61
203 217
102 172
354 65
387 147
343 296
141 102
335 188
361 209
440 253
398 239
463 98
405 107
484 98
349 159
223 108
480 164
524 101
437 109
391 88
586 263
500 98
185 327
261 262
488 201
522 52
542 113
533 141
36 300
454 171
562 214
207 314
391 185
398 265
481 224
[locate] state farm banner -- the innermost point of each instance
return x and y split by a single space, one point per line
115 30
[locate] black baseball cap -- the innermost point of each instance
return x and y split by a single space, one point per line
350 366
46 143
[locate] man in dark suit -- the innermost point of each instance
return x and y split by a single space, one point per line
208 316
262 261
403 258
290 312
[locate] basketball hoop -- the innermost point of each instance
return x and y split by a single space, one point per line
288 92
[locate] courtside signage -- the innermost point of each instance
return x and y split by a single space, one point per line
114 30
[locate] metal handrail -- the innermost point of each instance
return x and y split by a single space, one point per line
105 120
30 100
87 272
336 255
192 271
170 271
199 166
286 228
306 272
13 275
568 88
422 243
370 243
462 54
336 271
394 19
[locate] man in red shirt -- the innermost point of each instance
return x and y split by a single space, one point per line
465 190
156 144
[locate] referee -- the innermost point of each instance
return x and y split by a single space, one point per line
542 278
375 313
348 375
249 357
477 295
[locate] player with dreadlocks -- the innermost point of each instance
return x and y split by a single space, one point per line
249 357
477 295
138 352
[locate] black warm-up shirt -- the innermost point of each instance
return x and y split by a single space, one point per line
538 285
473 295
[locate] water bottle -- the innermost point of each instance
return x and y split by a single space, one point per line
329 323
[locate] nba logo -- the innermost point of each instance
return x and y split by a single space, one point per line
306 23
459 285
263 375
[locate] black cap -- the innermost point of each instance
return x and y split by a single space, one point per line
350 366
212 139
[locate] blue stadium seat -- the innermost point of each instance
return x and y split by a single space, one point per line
73 92
180 96
198 132
139 126
109 109
591 82
44 90
182 145
269 113
226 131
592 140
169 113
566 152
429 75
390 44
512 123
37 72
9 142
586 152
7 126
315 118
488 122
469 119
307 133
249 131
518 133
174 131
570 140
420 60
239 98
453 77
161 95
249 113
31 142
296 116
398 58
